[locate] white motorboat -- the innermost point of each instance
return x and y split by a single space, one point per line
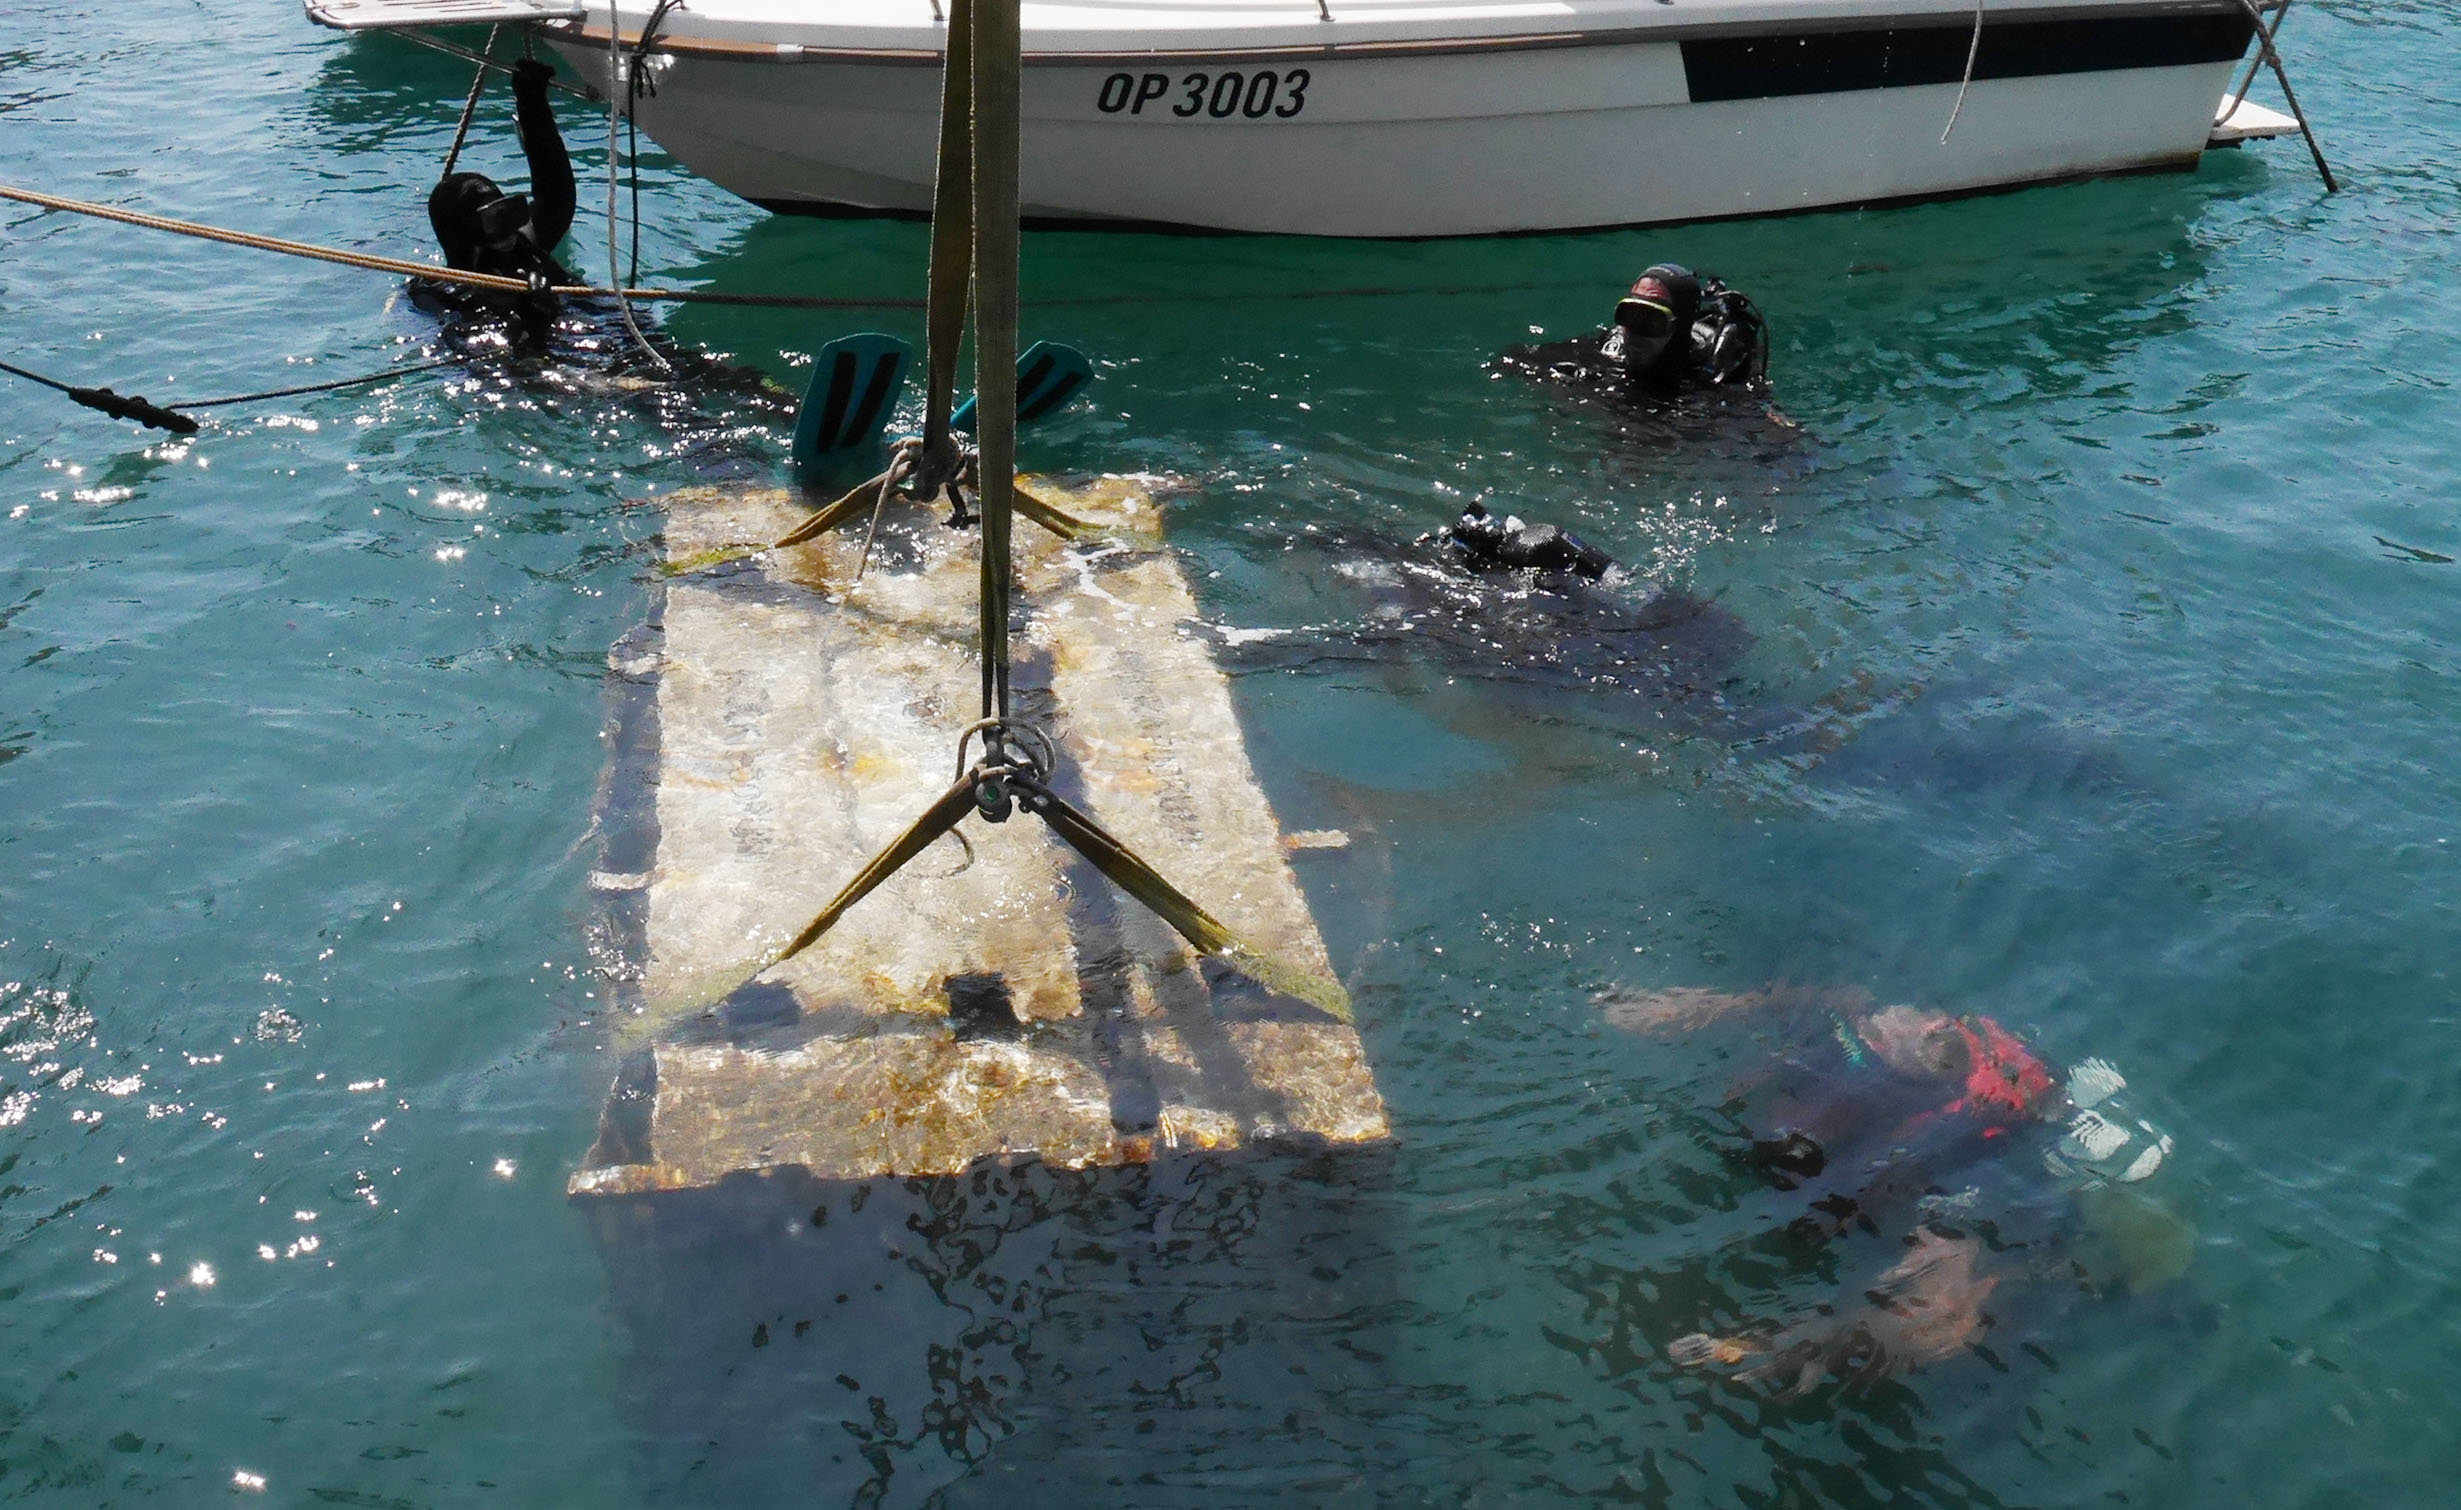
1424 117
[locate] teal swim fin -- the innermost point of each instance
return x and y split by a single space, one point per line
855 381
1048 376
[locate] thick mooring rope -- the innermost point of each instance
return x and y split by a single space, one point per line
2268 55
433 273
430 271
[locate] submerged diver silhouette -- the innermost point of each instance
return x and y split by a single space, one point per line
1899 1120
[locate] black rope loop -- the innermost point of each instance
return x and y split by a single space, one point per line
1011 747
637 77
938 470
1017 760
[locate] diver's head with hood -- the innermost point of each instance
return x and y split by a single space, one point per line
480 227
1655 319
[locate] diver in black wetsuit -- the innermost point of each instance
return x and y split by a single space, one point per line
553 352
1482 542
1674 330
1491 598
485 230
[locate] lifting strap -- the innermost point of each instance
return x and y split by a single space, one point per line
974 251
998 58
952 244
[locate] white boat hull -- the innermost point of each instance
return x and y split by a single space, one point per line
1533 136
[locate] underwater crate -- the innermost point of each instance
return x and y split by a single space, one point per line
997 998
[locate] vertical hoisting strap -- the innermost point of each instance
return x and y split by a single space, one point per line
974 242
952 238
998 61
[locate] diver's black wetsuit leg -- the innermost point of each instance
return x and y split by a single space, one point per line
553 197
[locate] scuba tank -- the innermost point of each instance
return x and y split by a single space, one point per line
2106 1142
1485 542
1730 335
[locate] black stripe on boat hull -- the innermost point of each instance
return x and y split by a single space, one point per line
1834 62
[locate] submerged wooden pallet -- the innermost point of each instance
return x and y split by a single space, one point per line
997 998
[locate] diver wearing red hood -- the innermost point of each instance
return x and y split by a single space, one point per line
1897 1119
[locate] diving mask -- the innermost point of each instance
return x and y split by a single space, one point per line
504 217
1648 318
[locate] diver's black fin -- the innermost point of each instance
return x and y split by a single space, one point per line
855 381
1048 376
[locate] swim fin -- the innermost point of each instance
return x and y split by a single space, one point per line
1048 376
855 382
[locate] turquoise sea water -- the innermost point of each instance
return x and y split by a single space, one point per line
2101 677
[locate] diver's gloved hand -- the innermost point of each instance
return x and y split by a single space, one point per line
530 78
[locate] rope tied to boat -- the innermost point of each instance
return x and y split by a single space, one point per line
618 107
455 49
1973 51
640 82
470 105
2266 55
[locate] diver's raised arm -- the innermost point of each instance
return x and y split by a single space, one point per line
1679 1010
1927 1307
1682 1009
553 195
